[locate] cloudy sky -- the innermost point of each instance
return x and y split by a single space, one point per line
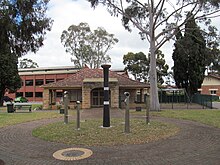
69 12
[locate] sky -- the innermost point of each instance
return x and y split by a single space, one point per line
68 12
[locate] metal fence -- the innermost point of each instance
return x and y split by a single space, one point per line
204 100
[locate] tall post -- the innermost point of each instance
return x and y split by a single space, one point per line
106 113
65 107
78 116
147 109
127 115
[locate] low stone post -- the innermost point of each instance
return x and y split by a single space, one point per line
127 115
65 107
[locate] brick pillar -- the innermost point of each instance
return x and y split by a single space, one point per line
46 98
86 97
115 97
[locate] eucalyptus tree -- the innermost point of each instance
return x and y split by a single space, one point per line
27 63
157 22
23 26
138 65
86 46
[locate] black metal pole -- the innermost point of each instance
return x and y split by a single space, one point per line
106 113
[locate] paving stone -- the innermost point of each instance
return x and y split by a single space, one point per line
195 144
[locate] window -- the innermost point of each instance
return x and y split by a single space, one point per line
58 79
59 94
49 81
28 82
39 94
18 94
39 82
28 94
213 92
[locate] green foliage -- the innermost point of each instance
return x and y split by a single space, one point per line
189 57
88 47
91 134
23 25
9 78
139 65
27 63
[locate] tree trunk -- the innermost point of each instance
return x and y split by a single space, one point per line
154 100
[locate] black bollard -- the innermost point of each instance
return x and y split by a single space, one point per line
106 113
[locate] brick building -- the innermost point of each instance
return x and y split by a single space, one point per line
211 85
34 78
86 86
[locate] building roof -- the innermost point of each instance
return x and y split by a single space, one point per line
214 75
77 79
48 70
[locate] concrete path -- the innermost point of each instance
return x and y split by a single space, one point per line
195 144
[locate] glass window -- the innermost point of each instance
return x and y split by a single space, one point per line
18 94
213 92
39 82
39 94
28 82
49 81
59 94
58 79
28 94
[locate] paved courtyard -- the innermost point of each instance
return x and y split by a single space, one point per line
195 144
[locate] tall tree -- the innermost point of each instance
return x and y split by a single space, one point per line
9 78
190 57
86 46
157 21
27 63
23 26
138 65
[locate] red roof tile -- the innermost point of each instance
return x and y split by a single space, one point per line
76 80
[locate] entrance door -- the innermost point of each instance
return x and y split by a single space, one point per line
97 97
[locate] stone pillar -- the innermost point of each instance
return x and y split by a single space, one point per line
46 98
86 97
115 97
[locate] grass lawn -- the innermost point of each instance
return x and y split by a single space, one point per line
7 119
208 116
91 134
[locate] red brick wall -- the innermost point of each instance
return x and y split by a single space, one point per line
205 89
34 88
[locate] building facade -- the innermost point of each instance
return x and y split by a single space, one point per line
211 85
86 86
34 78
